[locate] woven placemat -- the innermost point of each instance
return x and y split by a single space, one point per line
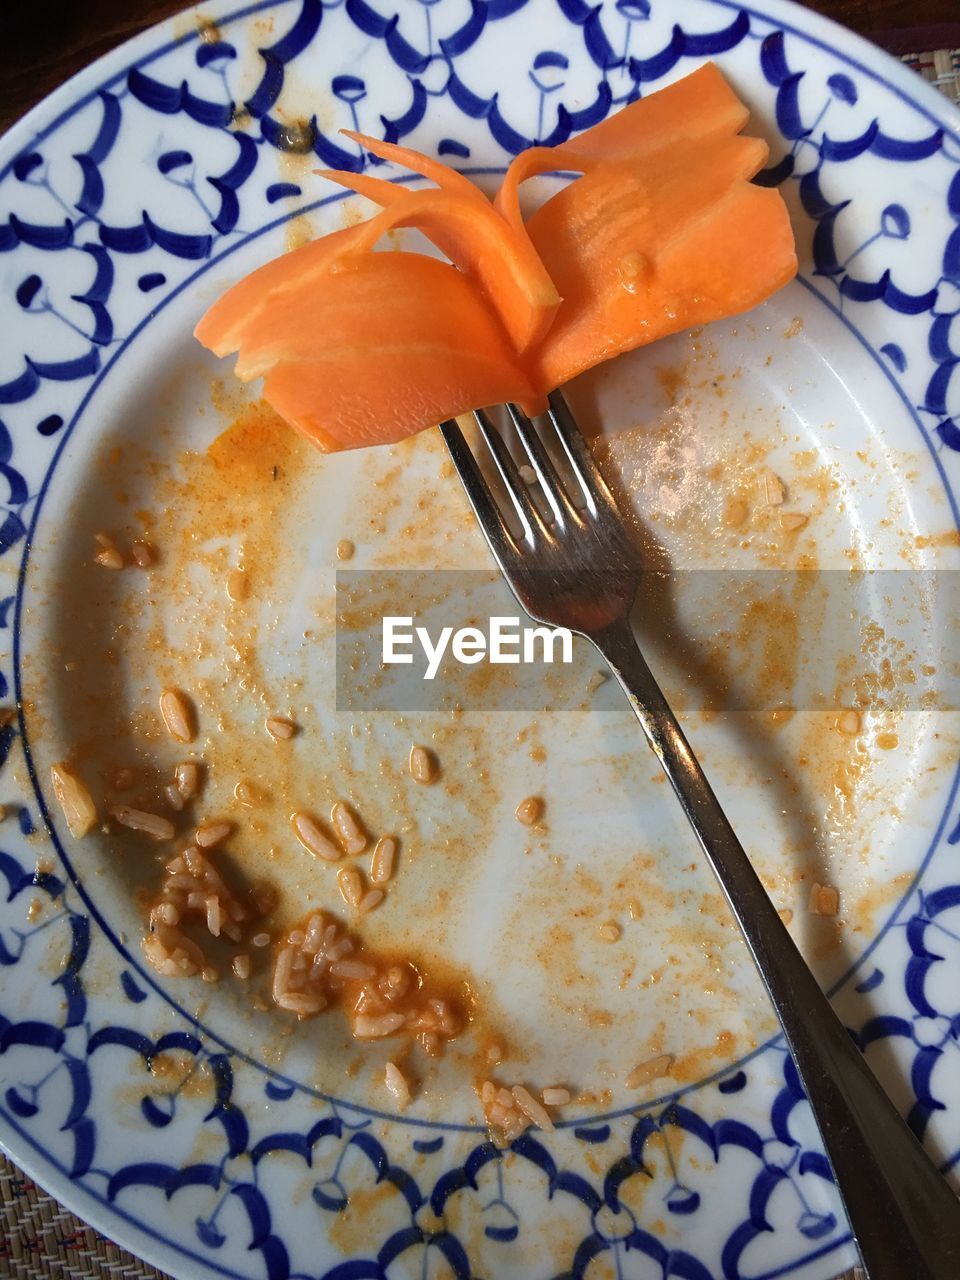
941 67
39 1239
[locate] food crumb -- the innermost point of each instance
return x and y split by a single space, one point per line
144 553
530 811
735 513
793 521
785 914
610 932
824 900
238 585
345 549
848 722
109 558
635 909
280 728
648 1071
887 741
34 910
596 680
774 491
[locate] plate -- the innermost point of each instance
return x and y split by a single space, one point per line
816 436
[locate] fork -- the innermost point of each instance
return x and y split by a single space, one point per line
576 568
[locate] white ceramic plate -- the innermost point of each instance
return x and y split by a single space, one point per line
215 1138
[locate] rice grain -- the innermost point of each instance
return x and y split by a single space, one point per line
280 728
423 767
150 824
555 1096
530 811
349 832
350 885
79 811
367 1027
532 1109
210 833
178 715
370 901
109 556
187 779
174 798
397 1085
311 835
241 966
144 553
648 1071
384 860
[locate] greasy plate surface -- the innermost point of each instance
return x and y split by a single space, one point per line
219 1138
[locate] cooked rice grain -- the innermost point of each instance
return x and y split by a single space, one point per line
280 728
348 829
150 824
529 811
370 901
178 715
397 1085
384 860
423 767
79 811
210 833
187 779
377 1027
144 553
313 838
532 1109
647 1072
174 798
350 885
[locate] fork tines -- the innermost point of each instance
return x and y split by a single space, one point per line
589 483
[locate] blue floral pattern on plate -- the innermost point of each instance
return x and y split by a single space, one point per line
89 255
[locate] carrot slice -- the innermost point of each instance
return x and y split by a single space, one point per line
696 109
350 360
472 234
628 279
354 363
221 327
446 178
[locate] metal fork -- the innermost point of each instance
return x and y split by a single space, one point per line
579 570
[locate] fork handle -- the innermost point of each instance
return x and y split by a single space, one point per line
904 1216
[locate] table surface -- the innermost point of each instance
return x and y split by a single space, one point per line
46 42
